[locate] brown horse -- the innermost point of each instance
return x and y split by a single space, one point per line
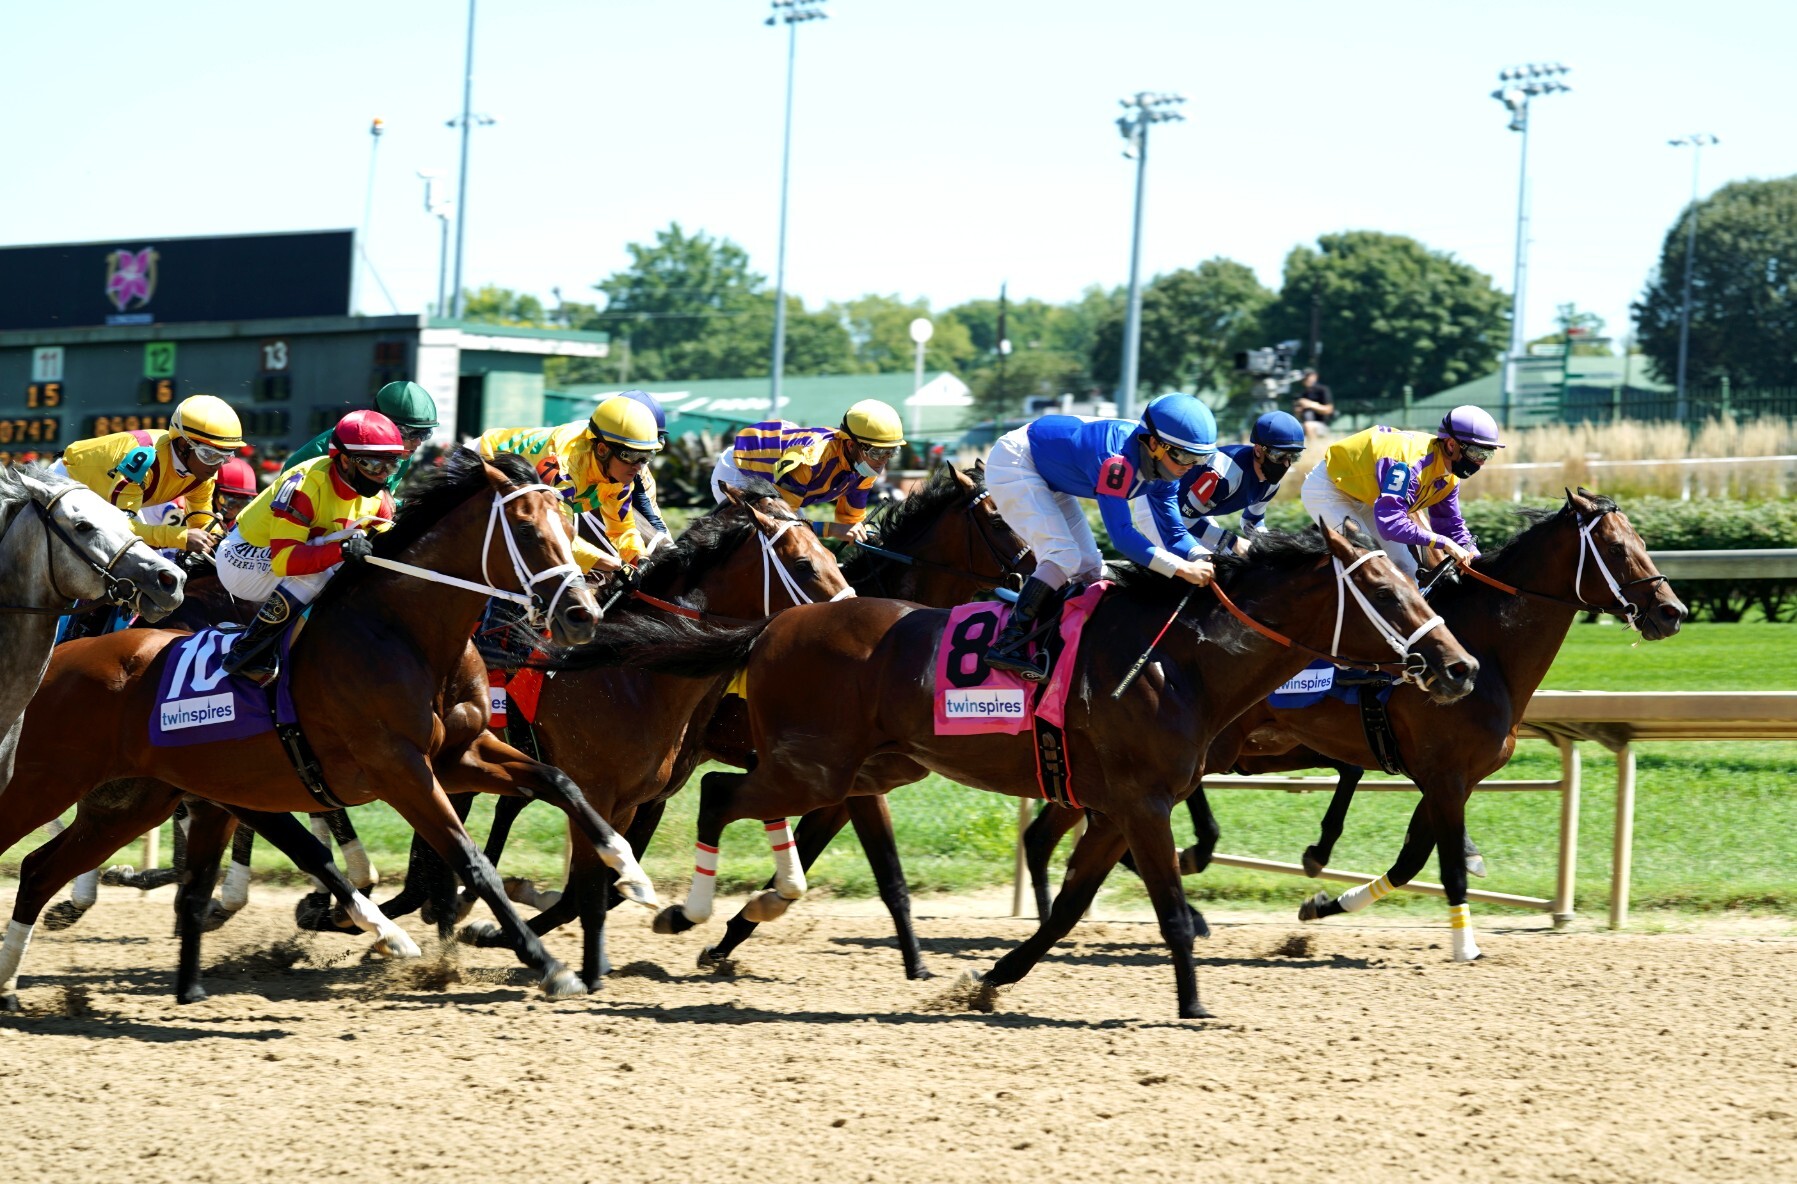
1584 556
1133 755
373 678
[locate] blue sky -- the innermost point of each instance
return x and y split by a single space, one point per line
939 147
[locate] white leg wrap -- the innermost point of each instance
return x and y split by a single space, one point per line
705 883
12 950
236 892
789 877
1460 924
86 890
357 867
1361 895
369 919
633 881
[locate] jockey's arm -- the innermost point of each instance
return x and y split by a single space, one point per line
1447 523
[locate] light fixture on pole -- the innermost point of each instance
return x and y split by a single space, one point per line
1516 86
921 332
791 13
466 121
1139 113
1696 142
439 208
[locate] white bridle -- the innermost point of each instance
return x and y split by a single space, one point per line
1397 641
771 566
527 580
1588 544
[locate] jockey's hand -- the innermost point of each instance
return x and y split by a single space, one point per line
356 548
1196 571
627 577
1456 552
856 533
1242 543
196 539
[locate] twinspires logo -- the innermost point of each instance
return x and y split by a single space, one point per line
1308 682
984 703
194 713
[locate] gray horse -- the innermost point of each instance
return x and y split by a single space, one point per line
61 543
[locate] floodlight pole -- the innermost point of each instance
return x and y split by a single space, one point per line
1695 142
461 195
1140 111
1516 86
792 13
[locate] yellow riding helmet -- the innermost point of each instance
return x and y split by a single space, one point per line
625 422
874 424
208 420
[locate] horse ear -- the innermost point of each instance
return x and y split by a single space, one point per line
498 480
731 492
978 471
1337 543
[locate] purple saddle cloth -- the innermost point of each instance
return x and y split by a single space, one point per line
198 703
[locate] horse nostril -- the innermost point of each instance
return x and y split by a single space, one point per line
1462 672
166 579
580 615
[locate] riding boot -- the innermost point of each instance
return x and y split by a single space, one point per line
255 654
1007 650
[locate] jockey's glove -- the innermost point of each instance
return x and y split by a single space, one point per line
356 548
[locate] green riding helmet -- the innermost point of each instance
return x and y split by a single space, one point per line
408 405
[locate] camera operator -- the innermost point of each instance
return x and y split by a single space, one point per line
1313 405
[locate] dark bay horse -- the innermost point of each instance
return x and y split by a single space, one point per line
1133 757
1583 556
372 677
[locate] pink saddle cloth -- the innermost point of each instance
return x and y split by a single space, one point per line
972 699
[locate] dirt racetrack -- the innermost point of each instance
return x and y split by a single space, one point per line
1570 1057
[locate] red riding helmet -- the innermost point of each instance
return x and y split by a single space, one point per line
237 477
367 432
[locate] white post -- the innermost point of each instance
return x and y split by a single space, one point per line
152 847
1622 855
1571 776
921 332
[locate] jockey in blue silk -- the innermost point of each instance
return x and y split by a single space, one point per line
1040 473
1240 478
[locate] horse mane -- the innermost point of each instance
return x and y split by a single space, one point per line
900 524
431 496
1275 550
710 539
1538 521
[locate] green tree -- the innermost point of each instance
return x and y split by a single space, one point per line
999 391
1391 313
493 305
1193 322
678 291
880 329
1743 300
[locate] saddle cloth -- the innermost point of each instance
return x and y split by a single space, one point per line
1321 680
198 703
972 699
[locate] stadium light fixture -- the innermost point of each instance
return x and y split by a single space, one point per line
1696 142
791 13
1517 86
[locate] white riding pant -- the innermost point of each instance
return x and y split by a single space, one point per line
1323 499
726 472
247 572
1052 523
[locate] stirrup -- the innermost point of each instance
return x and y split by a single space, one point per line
1026 668
261 663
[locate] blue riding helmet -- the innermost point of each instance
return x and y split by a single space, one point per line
1276 429
1182 421
654 405
134 466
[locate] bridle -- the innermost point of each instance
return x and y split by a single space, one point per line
537 612
1411 666
121 592
1624 607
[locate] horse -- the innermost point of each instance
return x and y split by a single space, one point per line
1512 612
83 551
1134 752
376 676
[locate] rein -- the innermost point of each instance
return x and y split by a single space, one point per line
118 592
1627 610
1006 566
771 567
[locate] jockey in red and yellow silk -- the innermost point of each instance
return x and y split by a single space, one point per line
595 467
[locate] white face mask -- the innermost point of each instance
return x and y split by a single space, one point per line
865 469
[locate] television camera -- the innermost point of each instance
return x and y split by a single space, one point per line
1273 370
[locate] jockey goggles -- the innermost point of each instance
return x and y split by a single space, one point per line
412 438
208 455
1479 453
1184 457
1289 456
632 456
377 468
879 458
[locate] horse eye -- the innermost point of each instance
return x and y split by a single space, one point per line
84 528
1384 593
805 566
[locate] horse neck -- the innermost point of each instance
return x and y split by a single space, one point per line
25 638
1518 636
1300 605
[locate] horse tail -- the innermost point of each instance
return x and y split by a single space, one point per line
659 645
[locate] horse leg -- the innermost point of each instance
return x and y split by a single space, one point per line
209 828
1094 855
1473 859
1316 856
1448 809
872 819
356 864
1411 857
816 829
99 828
429 880
236 892
1196 858
639 833
1040 838
714 788
1151 842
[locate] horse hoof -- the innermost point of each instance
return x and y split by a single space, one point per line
1188 862
193 994
549 899
1195 1012
562 983
638 889
9 1003
1312 909
766 906
313 912
397 944
119 875
1313 863
1475 865
709 957
215 916
484 934
673 919
1200 927
918 973
62 914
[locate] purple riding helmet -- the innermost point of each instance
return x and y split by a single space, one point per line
1477 434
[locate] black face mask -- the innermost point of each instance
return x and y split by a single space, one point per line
1275 470
1466 466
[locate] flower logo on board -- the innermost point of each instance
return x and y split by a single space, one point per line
131 277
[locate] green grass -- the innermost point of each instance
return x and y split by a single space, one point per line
1711 827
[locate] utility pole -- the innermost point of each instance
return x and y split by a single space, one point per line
1516 86
1696 142
792 13
1139 113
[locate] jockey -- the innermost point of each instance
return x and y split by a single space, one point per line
301 529
1382 477
811 466
235 488
140 469
642 494
411 409
1240 477
595 467
1039 473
